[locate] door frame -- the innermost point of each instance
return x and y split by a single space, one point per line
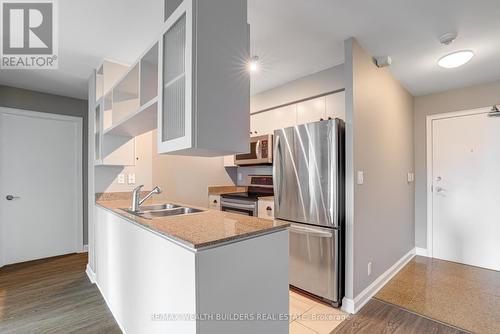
79 246
430 144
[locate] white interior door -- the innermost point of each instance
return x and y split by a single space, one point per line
466 190
40 166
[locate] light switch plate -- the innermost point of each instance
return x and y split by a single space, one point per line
131 178
360 178
121 178
411 177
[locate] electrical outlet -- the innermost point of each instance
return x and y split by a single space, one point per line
361 177
131 178
369 268
121 178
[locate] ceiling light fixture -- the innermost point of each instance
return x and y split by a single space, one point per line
456 59
253 64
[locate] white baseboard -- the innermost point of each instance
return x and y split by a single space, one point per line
109 308
354 305
85 249
90 274
421 251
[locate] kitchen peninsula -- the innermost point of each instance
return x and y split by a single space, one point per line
185 273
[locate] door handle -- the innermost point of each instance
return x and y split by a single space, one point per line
440 190
11 197
277 171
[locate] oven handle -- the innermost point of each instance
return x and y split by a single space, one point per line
237 205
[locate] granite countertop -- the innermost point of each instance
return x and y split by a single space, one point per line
199 230
266 198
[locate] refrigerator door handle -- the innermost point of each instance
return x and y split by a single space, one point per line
310 231
277 171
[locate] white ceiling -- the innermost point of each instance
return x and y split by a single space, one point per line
293 38
299 37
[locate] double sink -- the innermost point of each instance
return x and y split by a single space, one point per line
162 210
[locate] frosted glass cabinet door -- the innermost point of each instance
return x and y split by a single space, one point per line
174 121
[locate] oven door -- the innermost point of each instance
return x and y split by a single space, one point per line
239 207
261 152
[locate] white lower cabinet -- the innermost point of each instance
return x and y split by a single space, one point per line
214 202
154 285
266 209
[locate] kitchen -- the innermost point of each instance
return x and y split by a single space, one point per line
229 166
251 194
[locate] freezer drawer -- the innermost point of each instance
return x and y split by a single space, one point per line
314 260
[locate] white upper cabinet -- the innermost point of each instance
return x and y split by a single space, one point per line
266 122
204 87
313 110
335 105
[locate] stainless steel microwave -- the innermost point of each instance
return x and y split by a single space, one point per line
261 152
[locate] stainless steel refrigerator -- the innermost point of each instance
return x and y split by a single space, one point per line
309 192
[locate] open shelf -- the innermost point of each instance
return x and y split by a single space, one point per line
137 123
107 117
149 75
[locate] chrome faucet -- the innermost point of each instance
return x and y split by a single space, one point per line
136 197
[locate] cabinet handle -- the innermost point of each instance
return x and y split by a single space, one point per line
329 118
269 208
255 132
215 201
321 119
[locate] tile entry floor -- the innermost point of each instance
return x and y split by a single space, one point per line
308 316
463 296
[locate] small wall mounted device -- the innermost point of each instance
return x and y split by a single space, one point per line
383 61
494 112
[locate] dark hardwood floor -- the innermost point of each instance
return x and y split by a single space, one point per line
380 317
52 296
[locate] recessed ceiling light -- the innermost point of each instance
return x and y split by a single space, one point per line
456 59
253 64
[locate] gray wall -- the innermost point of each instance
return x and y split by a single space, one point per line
478 96
30 100
379 143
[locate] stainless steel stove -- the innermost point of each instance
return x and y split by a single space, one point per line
246 203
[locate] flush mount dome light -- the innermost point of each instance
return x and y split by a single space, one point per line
456 59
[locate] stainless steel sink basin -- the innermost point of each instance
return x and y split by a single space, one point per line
162 210
158 207
171 212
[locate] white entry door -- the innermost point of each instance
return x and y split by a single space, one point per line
40 185
466 190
